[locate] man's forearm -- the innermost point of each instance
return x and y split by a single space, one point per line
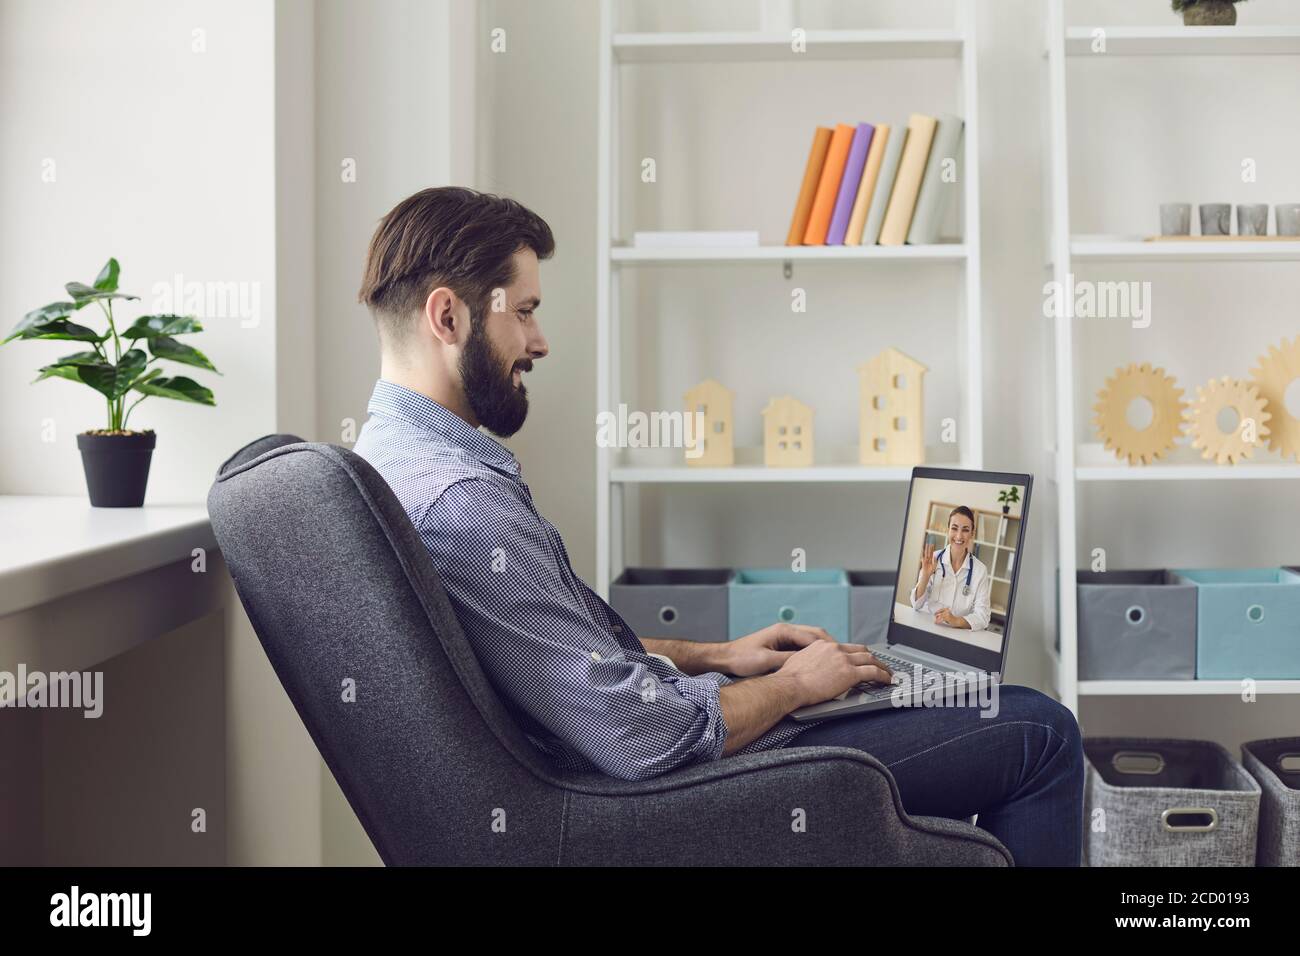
692 657
750 707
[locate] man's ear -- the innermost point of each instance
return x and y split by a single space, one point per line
446 316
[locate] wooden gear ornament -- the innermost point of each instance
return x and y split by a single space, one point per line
1203 417
1143 445
1277 371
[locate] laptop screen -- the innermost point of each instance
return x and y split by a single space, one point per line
963 532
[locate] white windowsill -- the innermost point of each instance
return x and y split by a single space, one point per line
53 546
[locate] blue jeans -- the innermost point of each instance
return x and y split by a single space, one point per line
1021 771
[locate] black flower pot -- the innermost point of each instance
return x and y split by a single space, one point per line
1211 13
117 467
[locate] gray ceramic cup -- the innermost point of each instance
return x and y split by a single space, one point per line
1176 219
1252 219
1216 219
1288 218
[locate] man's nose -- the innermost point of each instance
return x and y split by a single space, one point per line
538 346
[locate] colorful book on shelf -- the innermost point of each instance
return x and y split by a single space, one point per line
911 170
849 184
939 183
867 185
884 185
828 186
699 239
808 190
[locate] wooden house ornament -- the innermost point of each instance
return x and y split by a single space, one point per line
787 433
713 401
890 410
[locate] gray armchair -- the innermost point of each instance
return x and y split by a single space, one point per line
339 588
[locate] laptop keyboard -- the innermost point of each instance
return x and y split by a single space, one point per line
895 665
940 680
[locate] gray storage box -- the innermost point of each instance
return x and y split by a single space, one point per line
1136 625
687 604
1158 802
871 599
1275 765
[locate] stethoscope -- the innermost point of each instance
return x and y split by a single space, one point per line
970 569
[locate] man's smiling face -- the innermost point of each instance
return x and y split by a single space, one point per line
503 344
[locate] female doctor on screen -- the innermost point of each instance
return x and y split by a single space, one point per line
953 584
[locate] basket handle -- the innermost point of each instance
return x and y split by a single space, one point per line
1145 762
1288 763
1176 827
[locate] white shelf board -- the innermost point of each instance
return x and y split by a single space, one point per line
1174 688
1182 463
1114 248
754 46
939 252
1178 40
835 463
1207 471
685 474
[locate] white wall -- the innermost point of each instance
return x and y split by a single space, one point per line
223 165
384 81
163 157
394 94
537 109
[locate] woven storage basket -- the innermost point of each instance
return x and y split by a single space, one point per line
1160 802
1275 764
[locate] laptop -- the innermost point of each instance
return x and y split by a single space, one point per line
950 613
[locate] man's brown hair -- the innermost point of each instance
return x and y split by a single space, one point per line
451 236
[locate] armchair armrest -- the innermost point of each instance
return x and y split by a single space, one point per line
813 806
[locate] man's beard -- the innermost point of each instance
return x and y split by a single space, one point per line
489 385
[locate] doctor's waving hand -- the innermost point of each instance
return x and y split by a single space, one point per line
953 584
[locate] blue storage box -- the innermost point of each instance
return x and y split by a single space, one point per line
1246 623
818 597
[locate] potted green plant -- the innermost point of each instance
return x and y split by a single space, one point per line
116 458
1008 497
1207 13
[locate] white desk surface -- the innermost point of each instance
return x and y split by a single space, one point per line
906 614
51 546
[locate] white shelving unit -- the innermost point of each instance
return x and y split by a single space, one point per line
614 469
1088 462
